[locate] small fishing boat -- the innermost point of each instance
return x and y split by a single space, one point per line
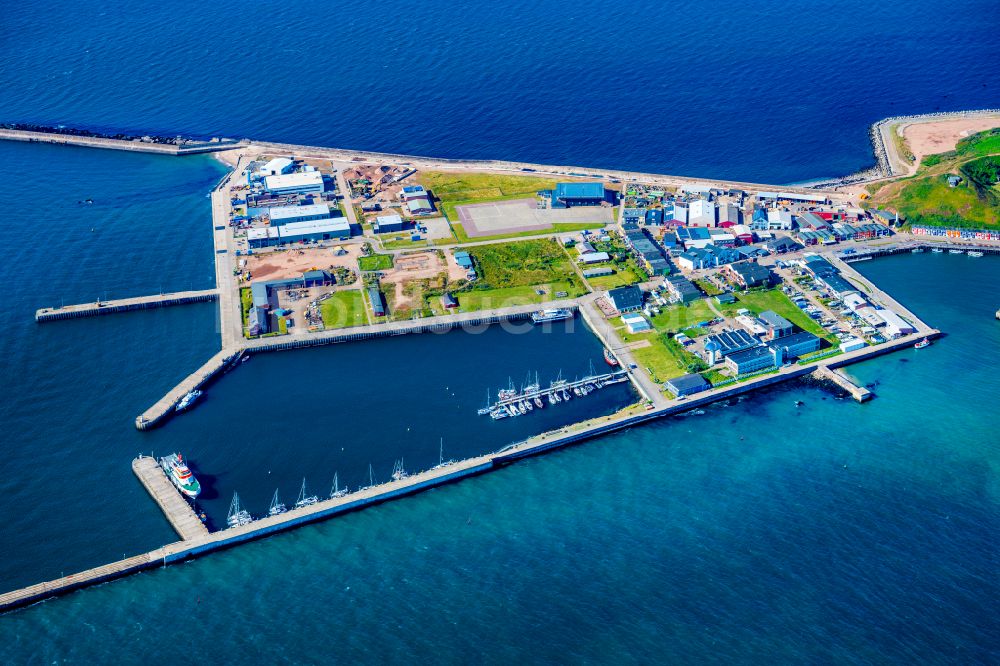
923 343
610 359
937 250
975 253
956 251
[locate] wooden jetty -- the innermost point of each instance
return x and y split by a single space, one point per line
125 305
177 509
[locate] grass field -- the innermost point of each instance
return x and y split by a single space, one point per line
664 358
488 299
530 262
679 317
624 275
776 301
927 199
375 262
343 309
568 228
455 189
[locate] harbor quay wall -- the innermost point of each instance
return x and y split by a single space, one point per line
124 305
875 253
185 550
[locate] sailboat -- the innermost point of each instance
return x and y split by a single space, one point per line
441 462
398 473
237 516
303 500
487 407
276 505
336 491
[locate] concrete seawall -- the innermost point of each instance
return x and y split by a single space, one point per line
124 305
164 407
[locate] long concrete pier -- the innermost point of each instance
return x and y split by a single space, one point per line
164 407
125 305
203 544
177 510
135 146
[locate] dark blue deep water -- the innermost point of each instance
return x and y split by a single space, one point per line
777 92
754 533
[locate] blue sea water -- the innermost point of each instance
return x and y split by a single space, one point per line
756 532
776 92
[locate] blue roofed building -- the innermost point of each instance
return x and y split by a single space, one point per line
567 195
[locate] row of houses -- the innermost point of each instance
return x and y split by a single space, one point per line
647 252
964 234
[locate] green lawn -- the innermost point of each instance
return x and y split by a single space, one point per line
664 358
246 302
488 299
375 262
776 301
568 227
679 317
624 275
343 309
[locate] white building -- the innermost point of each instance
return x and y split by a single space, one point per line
284 214
779 219
295 183
635 323
701 213
276 167
895 326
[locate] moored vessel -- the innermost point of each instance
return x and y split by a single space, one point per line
551 314
180 475
189 399
610 359
923 343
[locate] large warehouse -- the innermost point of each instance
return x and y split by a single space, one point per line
285 214
567 195
304 182
314 230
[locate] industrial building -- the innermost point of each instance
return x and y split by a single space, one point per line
417 200
595 257
778 219
304 182
284 214
388 224
731 341
796 344
754 359
729 216
687 384
895 326
294 232
775 326
701 213
626 299
276 167
693 237
568 195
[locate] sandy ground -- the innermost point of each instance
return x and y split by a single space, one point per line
417 266
292 263
938 137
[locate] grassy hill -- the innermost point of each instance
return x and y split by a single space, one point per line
927 199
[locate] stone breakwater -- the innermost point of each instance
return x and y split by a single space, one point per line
883 164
